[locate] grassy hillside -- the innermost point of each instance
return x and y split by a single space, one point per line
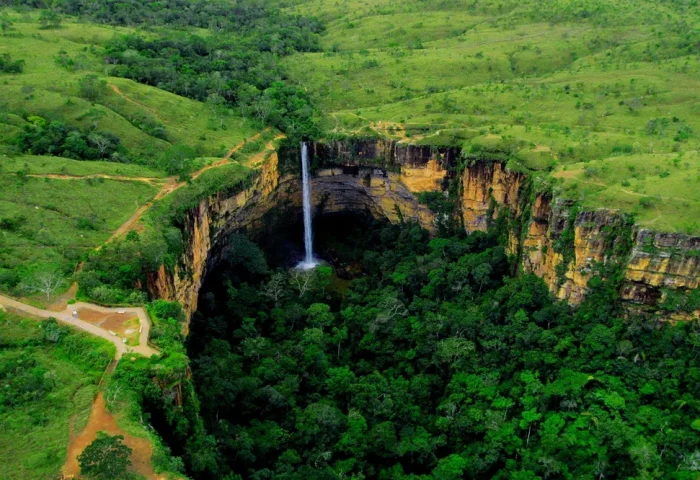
50 223
50 218
52 373
56 60
550 84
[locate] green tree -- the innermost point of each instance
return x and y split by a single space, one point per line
5 23
105 458
450 468
177 160
49 18
92 88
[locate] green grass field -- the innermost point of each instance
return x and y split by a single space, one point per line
55 222
660 189
54 384
553 84
46 165
49 90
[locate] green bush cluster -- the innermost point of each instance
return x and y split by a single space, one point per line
42 137
7 65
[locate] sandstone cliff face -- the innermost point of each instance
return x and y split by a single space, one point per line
488 187
566 267
658 261
380 178
205 228
372 191
421 168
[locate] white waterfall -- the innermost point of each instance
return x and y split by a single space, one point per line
309 260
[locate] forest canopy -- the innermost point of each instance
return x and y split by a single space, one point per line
435 364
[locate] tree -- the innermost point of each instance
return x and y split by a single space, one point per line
451 349
274 288
217 105
49 19
177 159
91 88
450 468
481 274
5 23
101 142
105 458
315 279
45 281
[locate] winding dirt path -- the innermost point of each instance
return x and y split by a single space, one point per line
101 420
171 185
116 90
148 180
258 158
69 318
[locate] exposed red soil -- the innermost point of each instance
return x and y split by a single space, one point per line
102 420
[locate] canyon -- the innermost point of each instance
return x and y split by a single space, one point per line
548 236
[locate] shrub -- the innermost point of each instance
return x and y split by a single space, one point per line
624 149
57 138
91 88
647 202
49 19
7 65
12 224
657 126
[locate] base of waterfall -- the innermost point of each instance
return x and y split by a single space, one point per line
308 264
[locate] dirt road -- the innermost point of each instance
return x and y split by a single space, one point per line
67 317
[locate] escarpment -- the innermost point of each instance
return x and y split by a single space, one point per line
275 199
550 237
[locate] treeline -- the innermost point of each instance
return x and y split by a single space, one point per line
435 364
221 70
259 17
56 138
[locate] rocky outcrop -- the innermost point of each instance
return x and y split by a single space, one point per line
659 261
420 168
652 261
565 251
487 189
551 237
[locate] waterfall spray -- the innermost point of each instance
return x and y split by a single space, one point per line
309 260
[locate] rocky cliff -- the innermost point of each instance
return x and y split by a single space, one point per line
274 199
205 229
658 261
563 244
551 238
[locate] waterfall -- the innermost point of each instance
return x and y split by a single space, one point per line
309 260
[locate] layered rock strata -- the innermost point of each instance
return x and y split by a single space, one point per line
382 178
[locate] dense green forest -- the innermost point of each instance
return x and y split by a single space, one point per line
435 363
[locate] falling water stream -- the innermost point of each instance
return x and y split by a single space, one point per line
309 260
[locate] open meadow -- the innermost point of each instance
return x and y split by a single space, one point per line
554 85
55 210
